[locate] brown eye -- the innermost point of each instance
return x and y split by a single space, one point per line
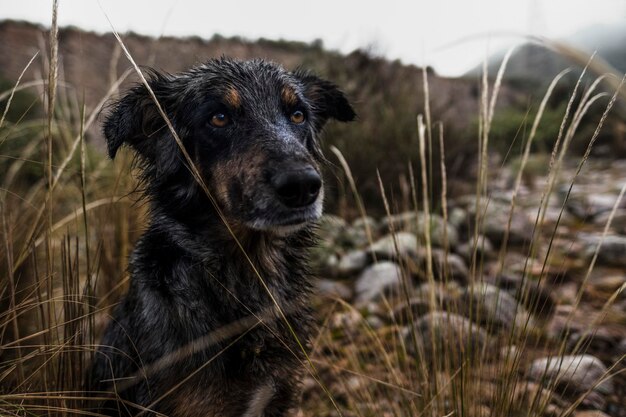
219 120
297 117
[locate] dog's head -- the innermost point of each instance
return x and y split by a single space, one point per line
251 129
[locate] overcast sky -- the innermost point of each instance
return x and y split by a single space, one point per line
450 35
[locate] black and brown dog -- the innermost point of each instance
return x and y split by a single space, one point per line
216 317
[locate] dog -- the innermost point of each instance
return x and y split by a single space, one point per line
216 319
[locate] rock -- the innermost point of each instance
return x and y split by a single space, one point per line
529 394
454 337
358 232
494 307
484 248
333 289
352 262
331 263
612 252
601 339
537 299
458 218
445 293
330 227
367 220
398 222
509 352
335 232
381 279
385 248
593 400
362 222
449 266
446 266
494 218
568 320
372 309
354 238
417 306
345 320
579 373
415 223
355 383
585 204
566 293
618 223
590 413
374 322
513 263
552 215
604 287
323 258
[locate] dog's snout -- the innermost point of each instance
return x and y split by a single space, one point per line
297 187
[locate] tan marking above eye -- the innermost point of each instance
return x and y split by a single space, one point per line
297 117
288 96
232 97
219 119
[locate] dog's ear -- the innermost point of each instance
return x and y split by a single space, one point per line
134 118
327 99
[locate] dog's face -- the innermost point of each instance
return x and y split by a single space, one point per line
251 129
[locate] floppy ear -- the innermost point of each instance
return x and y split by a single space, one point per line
328 101
134 118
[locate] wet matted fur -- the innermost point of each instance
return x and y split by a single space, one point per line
198 333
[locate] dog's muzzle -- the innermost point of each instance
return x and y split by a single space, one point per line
297 187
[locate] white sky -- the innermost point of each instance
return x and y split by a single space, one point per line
415 31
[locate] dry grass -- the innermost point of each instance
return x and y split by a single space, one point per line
65 240
374 372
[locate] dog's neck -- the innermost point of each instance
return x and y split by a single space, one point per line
196 268
242 261
213 236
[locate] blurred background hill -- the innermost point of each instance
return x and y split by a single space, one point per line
538 64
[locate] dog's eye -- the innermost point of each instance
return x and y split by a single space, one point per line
297 117
219 119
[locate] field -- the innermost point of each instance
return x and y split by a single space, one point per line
459 274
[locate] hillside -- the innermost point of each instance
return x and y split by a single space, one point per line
531 68
607 41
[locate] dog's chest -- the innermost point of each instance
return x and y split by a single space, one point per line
201 402
234 319
259 400
259 288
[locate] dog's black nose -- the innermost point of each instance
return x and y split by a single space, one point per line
297 188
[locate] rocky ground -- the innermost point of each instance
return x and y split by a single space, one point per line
511 321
